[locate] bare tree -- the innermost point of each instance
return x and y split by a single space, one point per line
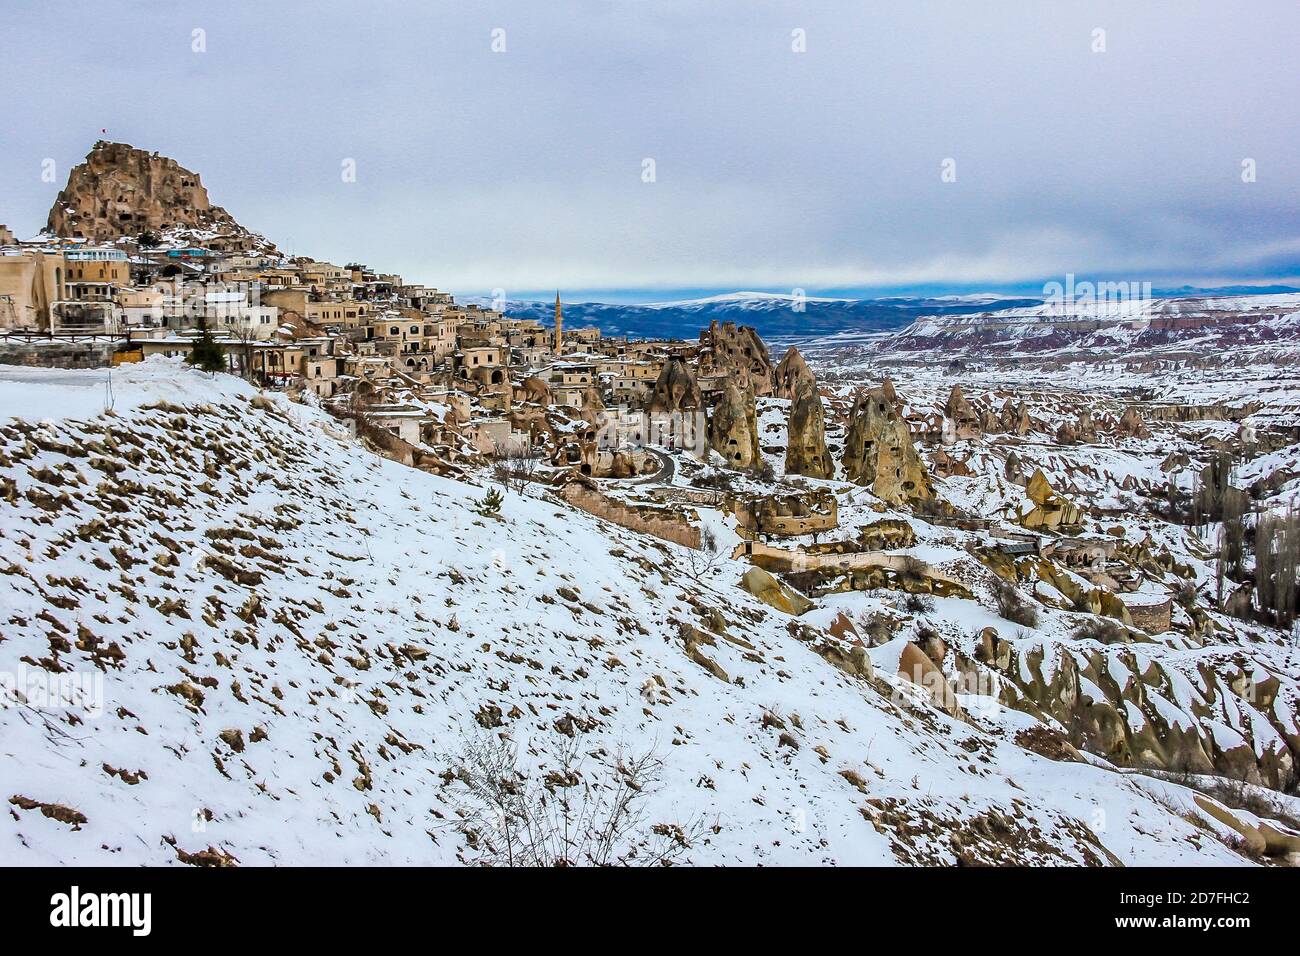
1277 555
700 561
244 339
567 818
516 468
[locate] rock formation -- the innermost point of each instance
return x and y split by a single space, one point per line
1087 428
1050 511
739 353
891 394
592 403
676 389
965 420
123 192
879 452
1131 425
772 592
733 430
793 375
915 666
805 449
535 390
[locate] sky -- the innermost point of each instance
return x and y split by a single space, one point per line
647 148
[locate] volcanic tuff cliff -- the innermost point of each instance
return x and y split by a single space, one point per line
739 353
120 192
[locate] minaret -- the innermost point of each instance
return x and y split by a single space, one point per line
559 325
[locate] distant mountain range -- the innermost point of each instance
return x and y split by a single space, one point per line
784 319
777 318
1207 325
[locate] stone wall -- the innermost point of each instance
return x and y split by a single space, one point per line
807 513
1152 618
667 525
47 353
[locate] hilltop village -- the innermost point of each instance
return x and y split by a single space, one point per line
136 262
937 601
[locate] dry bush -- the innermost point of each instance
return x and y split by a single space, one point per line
876 627
516 468
918 604
1099 629
700 561
1012 605
567 818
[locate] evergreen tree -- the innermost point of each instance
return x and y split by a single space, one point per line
207 353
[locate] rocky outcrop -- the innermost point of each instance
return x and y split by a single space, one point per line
805 449
773 593
921 670
738 352
1131 425
124 192
1012 419
535 390
1139 712
676 389
733 430
592 403
793 376
878 452
963 419
1049 510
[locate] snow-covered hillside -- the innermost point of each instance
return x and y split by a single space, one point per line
281 644
1114 324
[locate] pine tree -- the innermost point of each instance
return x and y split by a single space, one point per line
207 353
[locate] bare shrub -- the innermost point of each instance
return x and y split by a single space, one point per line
876 627
918 604
517 467
700 561
567 818
1184 593
715 480
1099 629
912 568
1012 605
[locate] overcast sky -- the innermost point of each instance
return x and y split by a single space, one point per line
773 169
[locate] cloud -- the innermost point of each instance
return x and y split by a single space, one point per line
523 169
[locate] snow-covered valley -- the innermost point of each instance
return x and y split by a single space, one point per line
282 645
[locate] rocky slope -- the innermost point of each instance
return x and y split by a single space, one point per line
281 647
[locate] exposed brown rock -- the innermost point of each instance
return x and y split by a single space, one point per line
805 450
733 430
772 592
726 349
676 389
534 389
914 665
964 420
793 375
1131 425
1051 510
121 192
879 452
